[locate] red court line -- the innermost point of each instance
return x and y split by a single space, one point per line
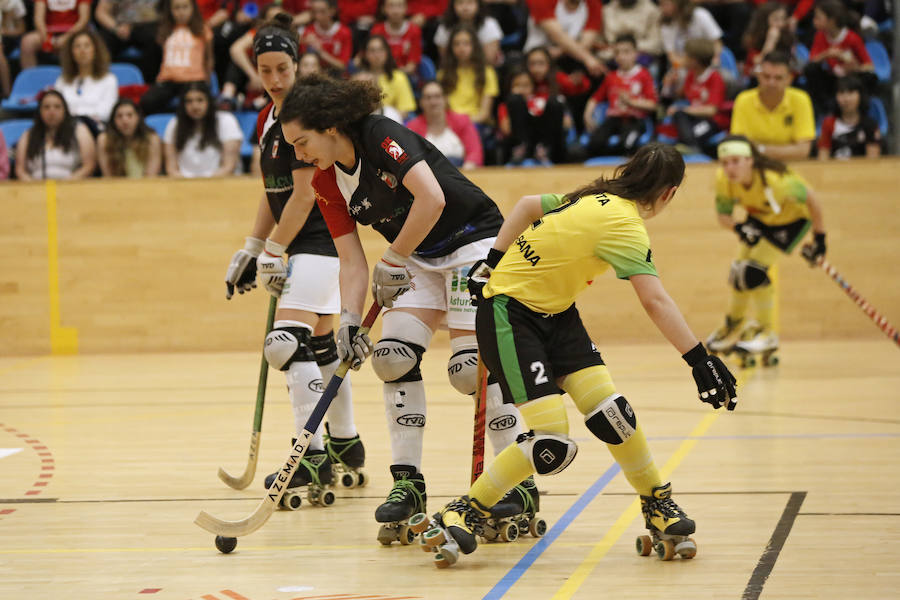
209 597
234 595
46 457
7 511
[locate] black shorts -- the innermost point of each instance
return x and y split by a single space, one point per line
527 351
783 237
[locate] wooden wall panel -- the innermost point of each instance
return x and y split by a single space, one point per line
141 263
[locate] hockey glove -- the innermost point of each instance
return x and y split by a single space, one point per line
749 232
241 272
815 251
715 383
271 267
352 345
479 274
390 278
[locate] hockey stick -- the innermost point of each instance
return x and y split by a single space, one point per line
244 480
267 505
867 308
478 437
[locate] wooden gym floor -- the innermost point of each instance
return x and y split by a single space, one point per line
106 460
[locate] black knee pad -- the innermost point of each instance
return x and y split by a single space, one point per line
747 275
286 345
549 453
324 348
613 421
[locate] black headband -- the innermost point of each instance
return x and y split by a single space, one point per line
275 42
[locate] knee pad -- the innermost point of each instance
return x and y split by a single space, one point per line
324 348
287 343
462 368
613 420
398 354
747 275
549 453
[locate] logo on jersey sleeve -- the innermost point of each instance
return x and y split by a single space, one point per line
275 149
394 150
388 178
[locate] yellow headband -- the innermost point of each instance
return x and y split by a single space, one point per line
735 148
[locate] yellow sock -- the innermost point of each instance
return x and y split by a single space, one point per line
737 309
764 298
547 414
591 386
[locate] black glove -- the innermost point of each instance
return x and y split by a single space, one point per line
715 383
814 251
480 273
749 232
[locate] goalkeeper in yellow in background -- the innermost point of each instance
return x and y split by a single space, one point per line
780 205
531 338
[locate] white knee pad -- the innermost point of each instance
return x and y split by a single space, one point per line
398 353
462 368
549 453
613 421
288 342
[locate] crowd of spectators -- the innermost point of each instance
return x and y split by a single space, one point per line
487 81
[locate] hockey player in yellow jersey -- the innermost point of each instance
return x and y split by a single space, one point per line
780 207
531 338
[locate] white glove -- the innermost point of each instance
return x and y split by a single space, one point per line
271 267
242 268
352 345
390 278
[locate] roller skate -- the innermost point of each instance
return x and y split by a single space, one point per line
758 341
516 514
451 531
314 472
348 456
406 498
669 526
721 341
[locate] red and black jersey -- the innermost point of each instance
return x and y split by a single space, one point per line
278 163
371 192
841 140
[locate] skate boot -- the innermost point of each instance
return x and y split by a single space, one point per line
721 341
758 341
516 514
669 526
348 456
314 472
452 530
406 498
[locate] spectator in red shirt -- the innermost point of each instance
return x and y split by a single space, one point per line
54 22
836 51
850 131
570 28
531 123
452 133
327 36
358 16
631 95
702 117
402 35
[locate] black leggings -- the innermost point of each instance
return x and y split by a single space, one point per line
629 130
546 128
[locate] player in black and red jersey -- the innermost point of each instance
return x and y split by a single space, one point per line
302 341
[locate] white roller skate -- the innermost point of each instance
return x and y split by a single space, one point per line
669 526
516 514
314 473
405 499
721 341
758 342
451 531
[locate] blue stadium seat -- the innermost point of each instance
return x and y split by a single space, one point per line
126 73
159 122
878 112
696 158
802 53
13 129
600 116
426 71
880 59
729 62
247 121
605 161
27 85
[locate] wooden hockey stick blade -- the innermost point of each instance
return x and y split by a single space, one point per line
478 433
246 477
270 501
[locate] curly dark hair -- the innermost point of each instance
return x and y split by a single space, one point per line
100 66
63 137
320 102
185 126
653 169
117 144
449 77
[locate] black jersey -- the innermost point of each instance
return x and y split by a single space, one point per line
277 163
371 192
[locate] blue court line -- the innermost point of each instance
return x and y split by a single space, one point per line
543 543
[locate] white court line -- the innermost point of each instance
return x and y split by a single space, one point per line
4 452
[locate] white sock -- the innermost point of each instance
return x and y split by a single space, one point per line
301 377
404 405
340 413
503 423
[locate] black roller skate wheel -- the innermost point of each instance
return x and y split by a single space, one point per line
348 480
509 532
327 498
291 501
361 479
537 527
225 544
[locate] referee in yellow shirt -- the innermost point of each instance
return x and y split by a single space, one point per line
532 340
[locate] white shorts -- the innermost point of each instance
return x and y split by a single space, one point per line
441 284
312 284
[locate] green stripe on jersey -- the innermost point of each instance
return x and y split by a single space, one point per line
506 348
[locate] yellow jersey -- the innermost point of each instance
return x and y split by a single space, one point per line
465 98
560 254
790 122
783 203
